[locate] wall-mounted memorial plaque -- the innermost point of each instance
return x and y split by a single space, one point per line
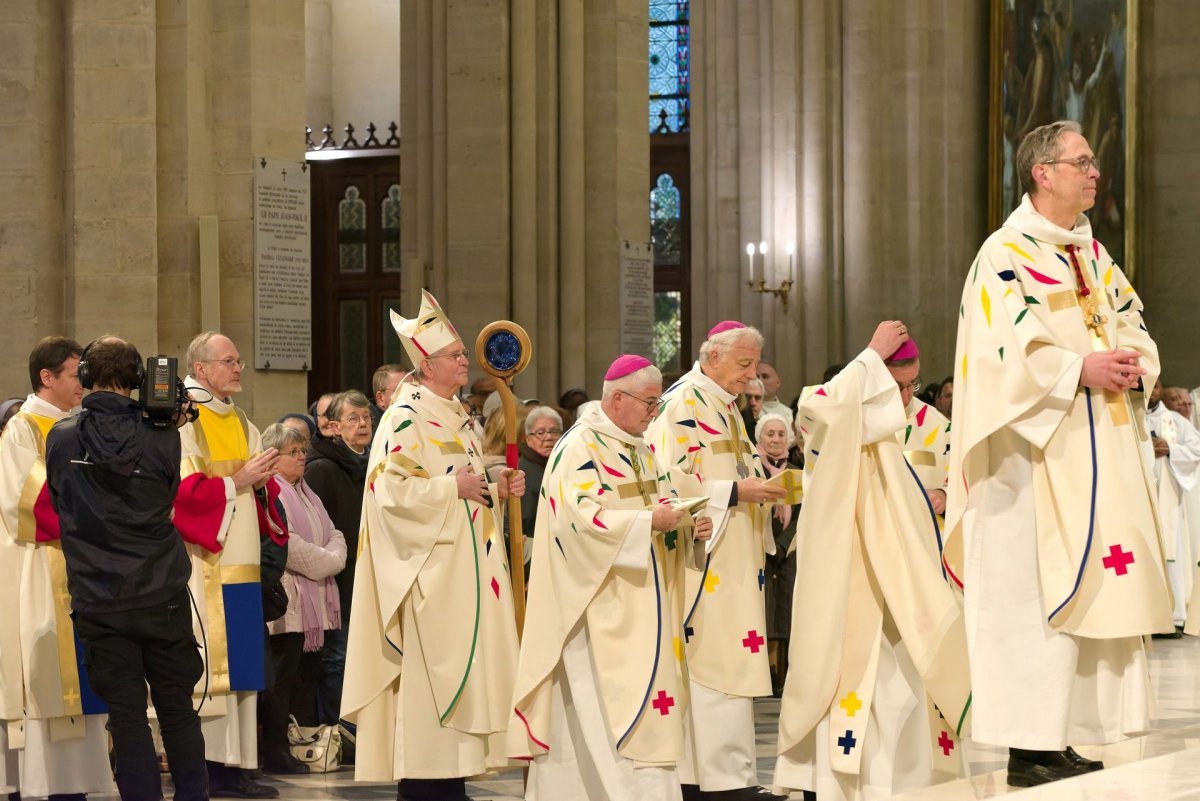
636 299
282 272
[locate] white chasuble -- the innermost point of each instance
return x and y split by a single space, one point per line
432 650
925 440
52 714
604 623
1051 520
221 526
872 597
1178 497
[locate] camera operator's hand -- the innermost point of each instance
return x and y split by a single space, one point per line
256 470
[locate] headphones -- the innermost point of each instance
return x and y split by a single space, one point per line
85 371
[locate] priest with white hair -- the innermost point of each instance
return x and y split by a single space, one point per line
600 697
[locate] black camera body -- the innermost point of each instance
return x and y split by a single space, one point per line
162 394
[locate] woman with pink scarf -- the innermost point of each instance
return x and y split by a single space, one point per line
316 553
773 437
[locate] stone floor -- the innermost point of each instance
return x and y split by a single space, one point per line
1161 766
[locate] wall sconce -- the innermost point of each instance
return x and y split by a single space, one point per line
785 287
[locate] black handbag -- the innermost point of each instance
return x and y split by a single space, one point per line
274 600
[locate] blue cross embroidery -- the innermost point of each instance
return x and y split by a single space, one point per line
762 579
688 631
847 742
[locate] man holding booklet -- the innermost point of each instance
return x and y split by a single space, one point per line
600 691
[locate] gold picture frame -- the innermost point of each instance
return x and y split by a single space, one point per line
1068 59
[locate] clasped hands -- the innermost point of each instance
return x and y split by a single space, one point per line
1112 370
473 486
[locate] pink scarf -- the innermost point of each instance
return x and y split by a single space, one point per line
783 512
306 589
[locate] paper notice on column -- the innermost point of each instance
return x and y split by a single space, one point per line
636 300
282 268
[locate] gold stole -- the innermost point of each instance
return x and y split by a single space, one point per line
224 445
64 629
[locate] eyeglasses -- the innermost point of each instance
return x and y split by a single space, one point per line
295 453
230 363
1083 163
651 403
463 354
549 433
356 419
913 386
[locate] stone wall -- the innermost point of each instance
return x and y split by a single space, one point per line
1169 183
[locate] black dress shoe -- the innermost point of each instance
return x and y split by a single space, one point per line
284 762
1082 761
745 794
240 785
1031 768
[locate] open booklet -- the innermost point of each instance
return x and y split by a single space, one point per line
791 480
692 506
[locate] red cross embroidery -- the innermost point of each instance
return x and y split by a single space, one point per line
946 743
663 703
1119 560
753 641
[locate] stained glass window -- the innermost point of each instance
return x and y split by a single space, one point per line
669 66
352 232
668 331
389 213
666 232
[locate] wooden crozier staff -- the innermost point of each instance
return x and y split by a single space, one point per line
503 349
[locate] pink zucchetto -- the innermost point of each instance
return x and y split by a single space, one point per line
908 350
723 326
624 365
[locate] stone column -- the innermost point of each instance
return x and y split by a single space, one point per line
31 214
524 160
857 130
111 171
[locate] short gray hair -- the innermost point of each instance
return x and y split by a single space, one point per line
1039 146
279 436
646 375
199 351
542 413
351 397
755 382
719 343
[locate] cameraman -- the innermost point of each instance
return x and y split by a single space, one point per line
112 479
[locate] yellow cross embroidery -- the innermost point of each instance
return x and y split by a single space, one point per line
711 581
851 704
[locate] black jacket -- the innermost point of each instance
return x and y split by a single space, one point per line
337 475
112 480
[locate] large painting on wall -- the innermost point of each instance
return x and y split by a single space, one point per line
1068 59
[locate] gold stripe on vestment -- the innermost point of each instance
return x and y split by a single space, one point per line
635 489
1118 402
215 634
922 458
241 574
452 448
30 490
1067 299
68 665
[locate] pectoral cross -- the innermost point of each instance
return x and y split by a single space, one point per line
735 445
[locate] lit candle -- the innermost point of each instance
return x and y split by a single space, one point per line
791 250
750 258
762 252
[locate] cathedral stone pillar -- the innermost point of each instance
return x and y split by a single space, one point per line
31 220
109 180
856 130
227 94
524 164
